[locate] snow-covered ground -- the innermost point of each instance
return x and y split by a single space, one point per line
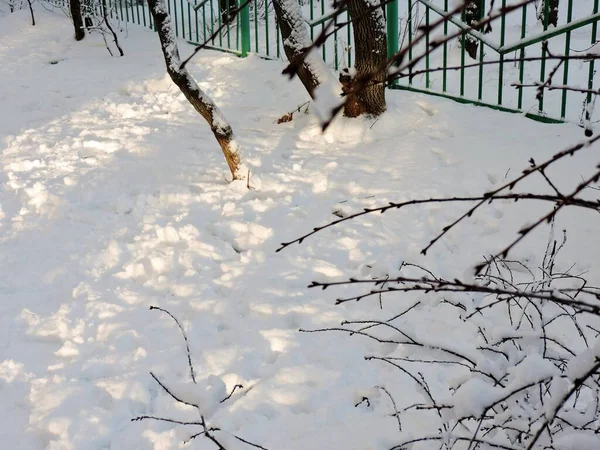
114 198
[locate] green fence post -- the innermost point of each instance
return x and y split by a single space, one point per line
392 28
245 25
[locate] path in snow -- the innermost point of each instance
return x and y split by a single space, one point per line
113 198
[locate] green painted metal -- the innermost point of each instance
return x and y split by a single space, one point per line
543 64
445 55
547 34
481 55
466 101
392 29
563 106
592 71
427 74
522 57
473 81
501 62
245 28
256 26
409 24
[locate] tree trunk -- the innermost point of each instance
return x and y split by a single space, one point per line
31 11
368 82
188 86
77 19
552 12
295 39
227 8
471 15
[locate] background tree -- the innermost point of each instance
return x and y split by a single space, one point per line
76 16
552 6
363 96
472 14
295 42
369 28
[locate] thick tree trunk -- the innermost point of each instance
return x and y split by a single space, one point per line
188 86
295 38
552 12
368 81
77 19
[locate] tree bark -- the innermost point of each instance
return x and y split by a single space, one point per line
295 39
368 81
77 19
190 89
471 15
552 11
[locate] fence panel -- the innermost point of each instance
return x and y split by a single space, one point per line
472 67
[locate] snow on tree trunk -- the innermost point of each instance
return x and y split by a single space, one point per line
471 15
188 86
368 80
75 6
552 11
295 39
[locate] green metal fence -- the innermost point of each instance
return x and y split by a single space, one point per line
512 53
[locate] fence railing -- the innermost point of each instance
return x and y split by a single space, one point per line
511 54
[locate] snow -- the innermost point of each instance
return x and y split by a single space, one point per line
114 197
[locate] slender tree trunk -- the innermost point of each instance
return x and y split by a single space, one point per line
77 19
31 11
552 11
368 81
295 38
109 26
188 86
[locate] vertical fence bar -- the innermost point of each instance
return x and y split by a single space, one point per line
126 10
228 21
137 11
392 28
196 22
592 71
349 35
462 64
501 62
445 56
522 57
267 27
182 19
237 29
219 18
563 108
212 21
427 49
336 63
278 37
312 16
245 28
481 52
410 53
255 26
189 14
543 64
175 18
322 28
